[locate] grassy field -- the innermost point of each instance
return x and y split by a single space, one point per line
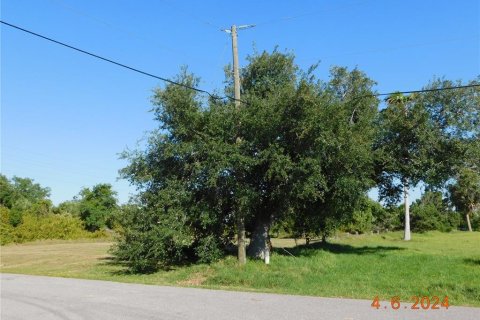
365 266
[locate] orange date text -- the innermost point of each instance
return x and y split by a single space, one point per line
418 303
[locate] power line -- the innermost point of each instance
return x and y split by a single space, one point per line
191 15
311 13
213 96
124 31
425 90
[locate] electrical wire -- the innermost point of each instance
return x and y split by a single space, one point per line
424 90
191 15
213 96
311 13
67 6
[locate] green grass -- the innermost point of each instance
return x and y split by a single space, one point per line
432 264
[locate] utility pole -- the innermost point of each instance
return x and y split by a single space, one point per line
236 72
240 220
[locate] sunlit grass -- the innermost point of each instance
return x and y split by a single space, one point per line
365 266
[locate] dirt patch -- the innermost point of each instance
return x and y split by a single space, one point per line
196 279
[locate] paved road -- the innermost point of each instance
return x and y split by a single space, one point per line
39 298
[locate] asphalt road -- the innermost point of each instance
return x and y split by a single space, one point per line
39 298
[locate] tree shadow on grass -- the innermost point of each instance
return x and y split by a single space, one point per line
472 262
312 249
125 270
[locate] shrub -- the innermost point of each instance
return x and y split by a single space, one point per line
6 228
474 220
372 216
208 249
388 219
147 242
45 227
15 217
431 213
361 221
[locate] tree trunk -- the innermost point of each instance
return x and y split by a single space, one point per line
242 256
259 243
468 222
407 235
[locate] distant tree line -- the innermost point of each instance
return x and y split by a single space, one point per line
28 214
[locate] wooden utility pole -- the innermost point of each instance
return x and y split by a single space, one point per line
242 251
236 73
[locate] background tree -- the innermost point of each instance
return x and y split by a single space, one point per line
432 212
22 194
456 114
427 138
407 147
71 207
97 206
465 193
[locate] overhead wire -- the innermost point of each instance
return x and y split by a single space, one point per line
126 32
191 15
423 90
312 13
213 96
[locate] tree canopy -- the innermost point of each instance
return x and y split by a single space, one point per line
299 148
97 206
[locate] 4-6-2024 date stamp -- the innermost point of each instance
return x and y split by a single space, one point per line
418 303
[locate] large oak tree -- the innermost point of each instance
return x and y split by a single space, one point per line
299 148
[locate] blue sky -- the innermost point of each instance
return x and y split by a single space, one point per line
65 116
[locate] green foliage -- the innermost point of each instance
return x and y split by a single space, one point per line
21 190
7 194
465 193
40 208
209 250
28 214
372 216
427 137
71 207
22 195
6 229
476 222
15 217
432 213
36 227
97 206
406 142
299 150
360 222
146 242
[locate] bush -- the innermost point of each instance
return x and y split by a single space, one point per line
431 213
208 250
149 239
372 216
146 242
45 227
6 228
388 219
15 217
475 221
361 221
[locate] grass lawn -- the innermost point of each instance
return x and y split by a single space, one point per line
365 266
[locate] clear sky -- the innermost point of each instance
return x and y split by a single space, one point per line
65 116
